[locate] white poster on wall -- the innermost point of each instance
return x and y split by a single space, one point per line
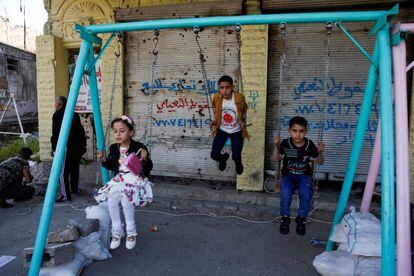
84 104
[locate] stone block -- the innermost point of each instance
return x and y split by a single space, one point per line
85 226
68 234
53 255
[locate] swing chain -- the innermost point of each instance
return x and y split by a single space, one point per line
118 43
282 66
113 88
329 26
203 71
148 123
282 63
156 40
238 29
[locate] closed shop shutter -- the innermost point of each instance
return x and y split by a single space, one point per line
302 92
179 122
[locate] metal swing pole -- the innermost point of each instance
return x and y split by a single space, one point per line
357 144
46 214
97 117
404 266
387 155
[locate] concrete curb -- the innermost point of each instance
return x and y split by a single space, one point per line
198 196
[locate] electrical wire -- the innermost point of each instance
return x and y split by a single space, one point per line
78 207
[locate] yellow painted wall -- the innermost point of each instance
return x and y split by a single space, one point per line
52 57
52 81
254 70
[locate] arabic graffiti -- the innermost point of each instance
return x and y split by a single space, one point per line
179 86
336 109
252 99
188 104
342 107
182 122
333 124
334 89
349 137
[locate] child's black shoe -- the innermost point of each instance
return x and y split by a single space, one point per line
223 161
284 225
300 226
239 168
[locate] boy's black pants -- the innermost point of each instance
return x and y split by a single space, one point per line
236 145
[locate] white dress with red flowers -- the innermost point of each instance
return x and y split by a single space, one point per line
132 187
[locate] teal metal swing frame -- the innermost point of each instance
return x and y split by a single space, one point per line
380 70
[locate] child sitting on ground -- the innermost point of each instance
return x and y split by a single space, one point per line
297 152
130 184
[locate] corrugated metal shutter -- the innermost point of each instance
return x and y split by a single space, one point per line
180 120
269 6
303 91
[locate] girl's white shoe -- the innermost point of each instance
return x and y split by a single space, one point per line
130 241
115 242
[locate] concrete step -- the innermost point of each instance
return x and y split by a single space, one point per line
203 196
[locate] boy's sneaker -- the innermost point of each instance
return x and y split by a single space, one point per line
284 225
300 226
239 168
223 161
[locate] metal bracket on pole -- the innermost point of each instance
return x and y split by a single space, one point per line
365 53
397 37
103 50
85 35
384 20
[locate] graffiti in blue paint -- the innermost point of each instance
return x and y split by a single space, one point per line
182 122
335 109
252 99
350 135
309 89
333 124
179 86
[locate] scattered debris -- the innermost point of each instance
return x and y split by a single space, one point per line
85 226
68 234
54 254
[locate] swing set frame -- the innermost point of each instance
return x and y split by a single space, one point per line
380 69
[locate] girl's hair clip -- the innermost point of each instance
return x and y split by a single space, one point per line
126 118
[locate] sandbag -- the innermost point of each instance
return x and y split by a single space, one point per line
359 233
368 266
91 246
334 263
342 263
100 212
73 268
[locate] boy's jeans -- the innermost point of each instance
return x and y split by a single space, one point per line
303 183
219 142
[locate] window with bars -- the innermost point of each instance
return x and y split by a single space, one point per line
12 64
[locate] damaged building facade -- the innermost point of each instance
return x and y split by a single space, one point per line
174 119
17 79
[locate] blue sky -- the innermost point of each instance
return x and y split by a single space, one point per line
36 14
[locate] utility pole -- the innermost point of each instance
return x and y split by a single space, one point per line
23 9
